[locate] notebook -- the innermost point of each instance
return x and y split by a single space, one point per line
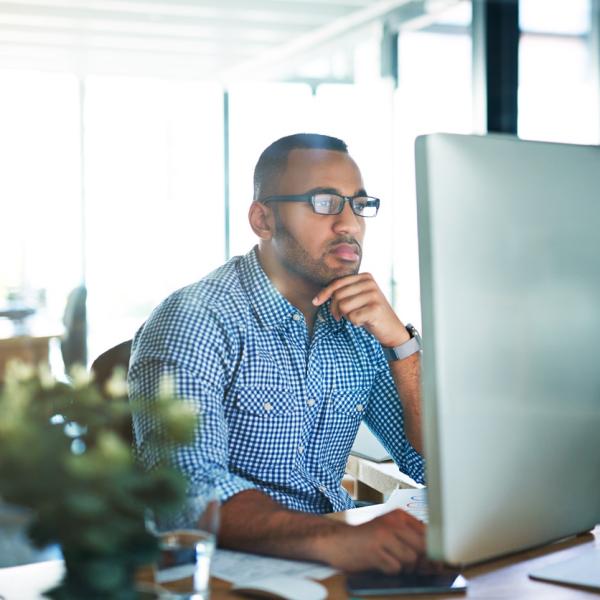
582 570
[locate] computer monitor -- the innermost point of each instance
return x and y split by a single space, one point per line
509 244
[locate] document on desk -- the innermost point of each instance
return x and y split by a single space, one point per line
240 566
413 501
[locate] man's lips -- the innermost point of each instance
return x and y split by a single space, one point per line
347 252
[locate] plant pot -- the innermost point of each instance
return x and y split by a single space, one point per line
108 577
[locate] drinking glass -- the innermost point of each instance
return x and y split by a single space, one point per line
187 543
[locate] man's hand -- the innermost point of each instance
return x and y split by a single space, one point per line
359 299
390 543
251 521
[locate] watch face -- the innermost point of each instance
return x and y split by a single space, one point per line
414 333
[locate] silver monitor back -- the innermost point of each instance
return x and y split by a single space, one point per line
509 243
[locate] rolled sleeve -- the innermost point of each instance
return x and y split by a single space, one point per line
160 351
385 418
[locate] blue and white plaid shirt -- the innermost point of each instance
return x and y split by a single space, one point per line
279 411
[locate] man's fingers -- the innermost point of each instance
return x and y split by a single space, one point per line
346 307
408 530
391 556
406 555
408 520
328 291
412 539
352 298
388 562
354 289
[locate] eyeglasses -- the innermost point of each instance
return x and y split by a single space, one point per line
332 204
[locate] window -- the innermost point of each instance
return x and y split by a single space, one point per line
557 101
154 196
434 95
360 114
40 226
259 114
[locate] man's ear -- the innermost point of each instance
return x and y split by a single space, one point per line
260 217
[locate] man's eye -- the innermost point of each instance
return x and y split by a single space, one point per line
360 204
323 203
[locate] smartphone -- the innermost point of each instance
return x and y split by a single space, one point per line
373 583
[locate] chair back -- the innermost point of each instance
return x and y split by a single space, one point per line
102 369
105 364
73 345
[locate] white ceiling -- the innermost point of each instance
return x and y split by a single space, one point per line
206 39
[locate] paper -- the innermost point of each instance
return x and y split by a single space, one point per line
239 566
414 502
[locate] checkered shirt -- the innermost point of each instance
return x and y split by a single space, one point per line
279 410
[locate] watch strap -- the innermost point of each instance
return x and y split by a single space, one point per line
406 349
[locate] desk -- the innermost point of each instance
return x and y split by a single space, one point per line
500 579
31 348
375 481
505 578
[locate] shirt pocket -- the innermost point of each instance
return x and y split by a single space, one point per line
263 373
346 408
266 402
264 430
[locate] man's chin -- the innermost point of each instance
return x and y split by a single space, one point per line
340 272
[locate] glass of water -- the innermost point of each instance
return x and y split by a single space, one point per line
187 543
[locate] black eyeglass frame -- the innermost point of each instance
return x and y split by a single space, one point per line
310 198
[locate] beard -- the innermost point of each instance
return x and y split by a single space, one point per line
296 260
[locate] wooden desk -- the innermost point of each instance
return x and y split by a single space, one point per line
506 578
31 348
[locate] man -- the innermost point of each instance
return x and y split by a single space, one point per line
281 352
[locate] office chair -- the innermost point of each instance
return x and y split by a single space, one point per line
105 364
73 345
102 369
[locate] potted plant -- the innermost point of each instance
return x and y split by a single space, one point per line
65 456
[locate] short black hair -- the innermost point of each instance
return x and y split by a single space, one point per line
274 158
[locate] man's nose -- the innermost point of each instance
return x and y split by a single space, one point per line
347 221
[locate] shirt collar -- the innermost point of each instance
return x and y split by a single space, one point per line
271 308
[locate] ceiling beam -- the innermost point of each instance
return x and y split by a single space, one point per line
250 13
226 32
60 17
89 40
278 61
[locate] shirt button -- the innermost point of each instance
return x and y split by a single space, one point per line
310 402
360 408
296 317
320 317
300 449
268 406
322 489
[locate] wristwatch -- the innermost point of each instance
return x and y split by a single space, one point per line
407 349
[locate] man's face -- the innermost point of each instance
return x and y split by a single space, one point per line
319 248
